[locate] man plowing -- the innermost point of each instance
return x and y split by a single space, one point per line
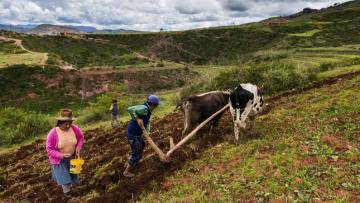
139 127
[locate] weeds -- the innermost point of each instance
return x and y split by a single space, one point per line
271 77
17 125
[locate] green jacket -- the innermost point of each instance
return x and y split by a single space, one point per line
141 110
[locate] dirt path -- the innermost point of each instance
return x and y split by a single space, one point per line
104 70
19 44
26 172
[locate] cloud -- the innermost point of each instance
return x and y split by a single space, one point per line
149 15
236 5
196 7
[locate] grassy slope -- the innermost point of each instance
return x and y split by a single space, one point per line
223 45
10 54
81 52
198 46
308 149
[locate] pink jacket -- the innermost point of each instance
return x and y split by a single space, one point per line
54 154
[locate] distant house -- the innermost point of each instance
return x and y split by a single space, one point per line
274 21
73 35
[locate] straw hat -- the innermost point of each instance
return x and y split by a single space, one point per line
65 115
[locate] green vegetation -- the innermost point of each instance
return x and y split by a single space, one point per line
8 47
308 33
25 86
219 46
275 57
99 111
10 54
306 151
17 125
25 58
272 77
82 52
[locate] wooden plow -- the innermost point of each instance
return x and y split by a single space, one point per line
166 157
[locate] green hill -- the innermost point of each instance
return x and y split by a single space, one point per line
223 45
304 148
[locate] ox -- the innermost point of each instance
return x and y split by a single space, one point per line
200 107
246 101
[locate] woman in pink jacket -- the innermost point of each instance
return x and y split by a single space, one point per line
63 142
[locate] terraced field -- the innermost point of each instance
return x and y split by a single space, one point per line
315 57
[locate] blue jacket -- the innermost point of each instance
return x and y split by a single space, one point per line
114 109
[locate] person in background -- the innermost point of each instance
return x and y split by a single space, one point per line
64 142
114 113
140 115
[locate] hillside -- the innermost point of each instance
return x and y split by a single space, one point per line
47 29
223 45
304 147
12 52
309 139
48 89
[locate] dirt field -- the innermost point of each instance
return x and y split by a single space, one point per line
26 173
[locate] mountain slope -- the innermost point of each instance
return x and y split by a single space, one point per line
47 29
306 149
289 154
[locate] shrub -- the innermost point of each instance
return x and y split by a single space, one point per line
160 65
195 88
17 125
273 77
326 66
99 110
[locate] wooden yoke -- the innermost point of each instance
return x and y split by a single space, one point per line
190 135
161 154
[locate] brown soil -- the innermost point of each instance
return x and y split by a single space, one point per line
91 83
25 174
336 143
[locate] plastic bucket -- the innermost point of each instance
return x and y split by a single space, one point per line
76 165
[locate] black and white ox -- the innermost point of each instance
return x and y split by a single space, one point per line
200 107
246 101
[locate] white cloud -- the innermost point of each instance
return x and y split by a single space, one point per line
149 14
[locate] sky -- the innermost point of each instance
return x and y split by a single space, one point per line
150 15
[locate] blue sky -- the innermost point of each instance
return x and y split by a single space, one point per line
149 15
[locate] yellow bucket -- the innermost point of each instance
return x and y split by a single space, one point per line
76 165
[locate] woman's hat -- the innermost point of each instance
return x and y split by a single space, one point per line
65 115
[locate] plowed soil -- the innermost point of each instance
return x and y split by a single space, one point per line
25 174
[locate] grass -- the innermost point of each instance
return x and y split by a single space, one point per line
82 52
292 159
24 58
309 33
210 72
338 71
10 54
168 105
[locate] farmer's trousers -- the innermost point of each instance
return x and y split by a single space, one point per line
114 120
137 145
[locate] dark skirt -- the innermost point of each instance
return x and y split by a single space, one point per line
60 173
